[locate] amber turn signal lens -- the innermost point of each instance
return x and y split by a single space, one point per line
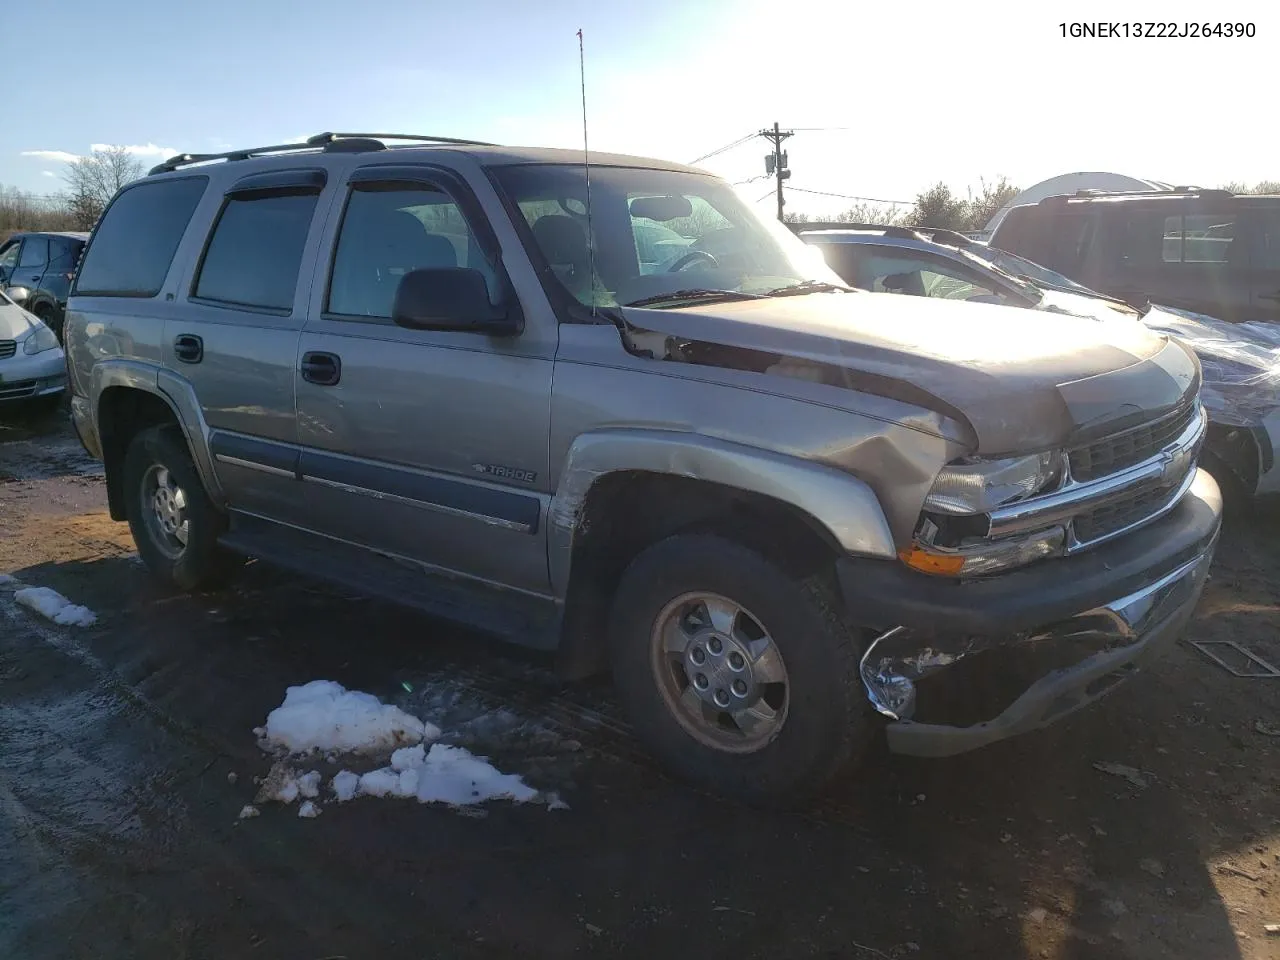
927 562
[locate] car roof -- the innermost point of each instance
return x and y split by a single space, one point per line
70 234
377 146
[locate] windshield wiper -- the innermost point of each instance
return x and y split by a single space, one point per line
1078 291
807 286
701 294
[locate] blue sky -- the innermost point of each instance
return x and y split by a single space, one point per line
923 91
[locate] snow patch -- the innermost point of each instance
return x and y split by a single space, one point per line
444 774
54 606
308 810
5 578
323 715
345 785
284 784
247 811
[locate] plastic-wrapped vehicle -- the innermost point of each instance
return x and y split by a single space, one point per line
1240 361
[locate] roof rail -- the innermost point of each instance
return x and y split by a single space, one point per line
1184 191
320 139
328 142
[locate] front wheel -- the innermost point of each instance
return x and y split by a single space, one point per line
737 675
174 524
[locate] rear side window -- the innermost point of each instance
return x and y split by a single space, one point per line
255 251
134 243
63 254
1198 238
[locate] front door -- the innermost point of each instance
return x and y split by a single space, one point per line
423 444
9 260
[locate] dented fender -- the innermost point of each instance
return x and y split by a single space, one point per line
841 503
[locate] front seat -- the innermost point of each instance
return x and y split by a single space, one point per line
564 244
392 243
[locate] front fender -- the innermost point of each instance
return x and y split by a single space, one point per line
841 503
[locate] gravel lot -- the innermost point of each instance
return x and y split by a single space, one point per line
127 752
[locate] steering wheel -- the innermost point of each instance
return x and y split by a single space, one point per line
691 257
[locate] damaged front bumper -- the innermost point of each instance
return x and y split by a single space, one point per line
1087 622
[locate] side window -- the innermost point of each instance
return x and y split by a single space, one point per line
63 253
35 253
918 277
255 250
1198 238
1265 257
9 255
134 243
388 230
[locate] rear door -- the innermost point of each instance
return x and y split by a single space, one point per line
235 336
33 259
425 444
1263 231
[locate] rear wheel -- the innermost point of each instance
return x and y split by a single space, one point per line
737 675
174 524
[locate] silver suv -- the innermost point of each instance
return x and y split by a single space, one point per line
787 514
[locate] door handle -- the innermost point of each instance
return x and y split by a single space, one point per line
188 348
323 369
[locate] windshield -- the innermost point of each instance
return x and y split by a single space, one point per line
1019 267
655 235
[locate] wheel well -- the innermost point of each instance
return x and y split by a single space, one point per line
628 511
122 413
1237 449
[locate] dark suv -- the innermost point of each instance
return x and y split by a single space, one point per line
1209 251
42 263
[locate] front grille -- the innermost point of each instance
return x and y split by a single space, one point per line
1122 450
1120 513
8 348
17 389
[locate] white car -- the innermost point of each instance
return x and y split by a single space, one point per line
32 365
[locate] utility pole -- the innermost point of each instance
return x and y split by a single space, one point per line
776 163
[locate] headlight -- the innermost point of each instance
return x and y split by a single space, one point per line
40 341
981 486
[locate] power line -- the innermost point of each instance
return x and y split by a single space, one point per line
847 196
720 150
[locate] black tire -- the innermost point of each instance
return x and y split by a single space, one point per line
201 562
828 724
45 313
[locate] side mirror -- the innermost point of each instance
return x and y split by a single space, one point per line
19 295
451 298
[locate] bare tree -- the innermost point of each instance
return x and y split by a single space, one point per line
1264 186
93 180
990 199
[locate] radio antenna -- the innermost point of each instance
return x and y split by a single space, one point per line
586 171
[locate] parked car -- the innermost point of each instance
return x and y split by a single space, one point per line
43 265
780 509
1241 362
1207 251
32 366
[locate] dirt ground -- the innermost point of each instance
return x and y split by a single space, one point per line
118 807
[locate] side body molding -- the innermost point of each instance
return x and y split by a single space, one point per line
844 505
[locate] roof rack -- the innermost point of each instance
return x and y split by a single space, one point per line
1090 192
325 142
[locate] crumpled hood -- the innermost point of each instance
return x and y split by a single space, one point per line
1023 380
14 321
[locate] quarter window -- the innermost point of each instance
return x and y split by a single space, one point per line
137 237
388 230
255 251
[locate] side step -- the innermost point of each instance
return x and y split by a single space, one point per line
517 617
